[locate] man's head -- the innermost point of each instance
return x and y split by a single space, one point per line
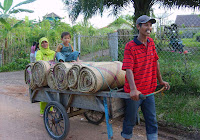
145 19
144 24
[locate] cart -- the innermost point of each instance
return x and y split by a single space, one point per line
65 104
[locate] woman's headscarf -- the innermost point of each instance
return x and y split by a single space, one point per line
46 51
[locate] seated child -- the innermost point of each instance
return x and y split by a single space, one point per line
65 51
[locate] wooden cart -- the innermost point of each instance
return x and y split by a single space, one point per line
65 104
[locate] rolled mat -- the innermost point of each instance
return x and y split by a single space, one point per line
40 71
28 76
101 77
51 80
60 71
73 74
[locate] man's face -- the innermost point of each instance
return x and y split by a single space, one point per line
66 39
145 28
44 44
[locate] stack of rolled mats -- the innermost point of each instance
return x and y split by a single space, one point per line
86 77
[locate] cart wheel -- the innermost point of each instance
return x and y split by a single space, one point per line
56 120
94 117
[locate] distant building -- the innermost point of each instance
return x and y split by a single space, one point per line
189 25
51 17
187 20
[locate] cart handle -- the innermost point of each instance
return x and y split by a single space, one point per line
141 96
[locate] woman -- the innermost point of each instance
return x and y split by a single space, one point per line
47 55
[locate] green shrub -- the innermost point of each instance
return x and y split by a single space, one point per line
17 64
197 36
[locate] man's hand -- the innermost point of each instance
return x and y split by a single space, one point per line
165 84
134 94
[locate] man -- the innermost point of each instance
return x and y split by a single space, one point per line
142 71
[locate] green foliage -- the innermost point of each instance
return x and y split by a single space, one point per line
197 36
93 44
190 42
118 22
179 109
19 60
7 8
17 64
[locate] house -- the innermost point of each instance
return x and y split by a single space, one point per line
51 17
188 25
187 20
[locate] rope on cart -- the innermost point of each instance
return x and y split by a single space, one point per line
111 90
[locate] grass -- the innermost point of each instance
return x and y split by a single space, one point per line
178 109
91 44
190 42
181 105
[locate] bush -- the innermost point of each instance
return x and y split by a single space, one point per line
197 36
17 64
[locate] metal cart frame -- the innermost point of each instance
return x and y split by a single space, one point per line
109 102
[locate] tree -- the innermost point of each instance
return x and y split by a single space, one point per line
6 11
90 7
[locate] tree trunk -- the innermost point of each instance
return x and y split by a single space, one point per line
6 43
142 7
2 57
3 50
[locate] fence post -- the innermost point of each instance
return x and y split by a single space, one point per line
79 43
74 42
113 45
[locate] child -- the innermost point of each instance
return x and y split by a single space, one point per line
65 51
32 55
36 48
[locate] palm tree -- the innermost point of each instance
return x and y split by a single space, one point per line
142 7
6 10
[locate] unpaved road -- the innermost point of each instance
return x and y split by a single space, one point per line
20 120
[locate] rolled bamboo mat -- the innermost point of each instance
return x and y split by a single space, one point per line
51 80
101 77
28 76
60 74
73 74
39 71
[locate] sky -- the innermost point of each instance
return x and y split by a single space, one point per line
43 7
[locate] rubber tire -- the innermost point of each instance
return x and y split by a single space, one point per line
62 110
90 120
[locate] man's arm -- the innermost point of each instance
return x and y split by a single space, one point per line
159 77
134 93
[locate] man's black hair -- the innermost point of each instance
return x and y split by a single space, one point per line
140 24
64 34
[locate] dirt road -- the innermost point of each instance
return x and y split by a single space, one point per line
20 120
